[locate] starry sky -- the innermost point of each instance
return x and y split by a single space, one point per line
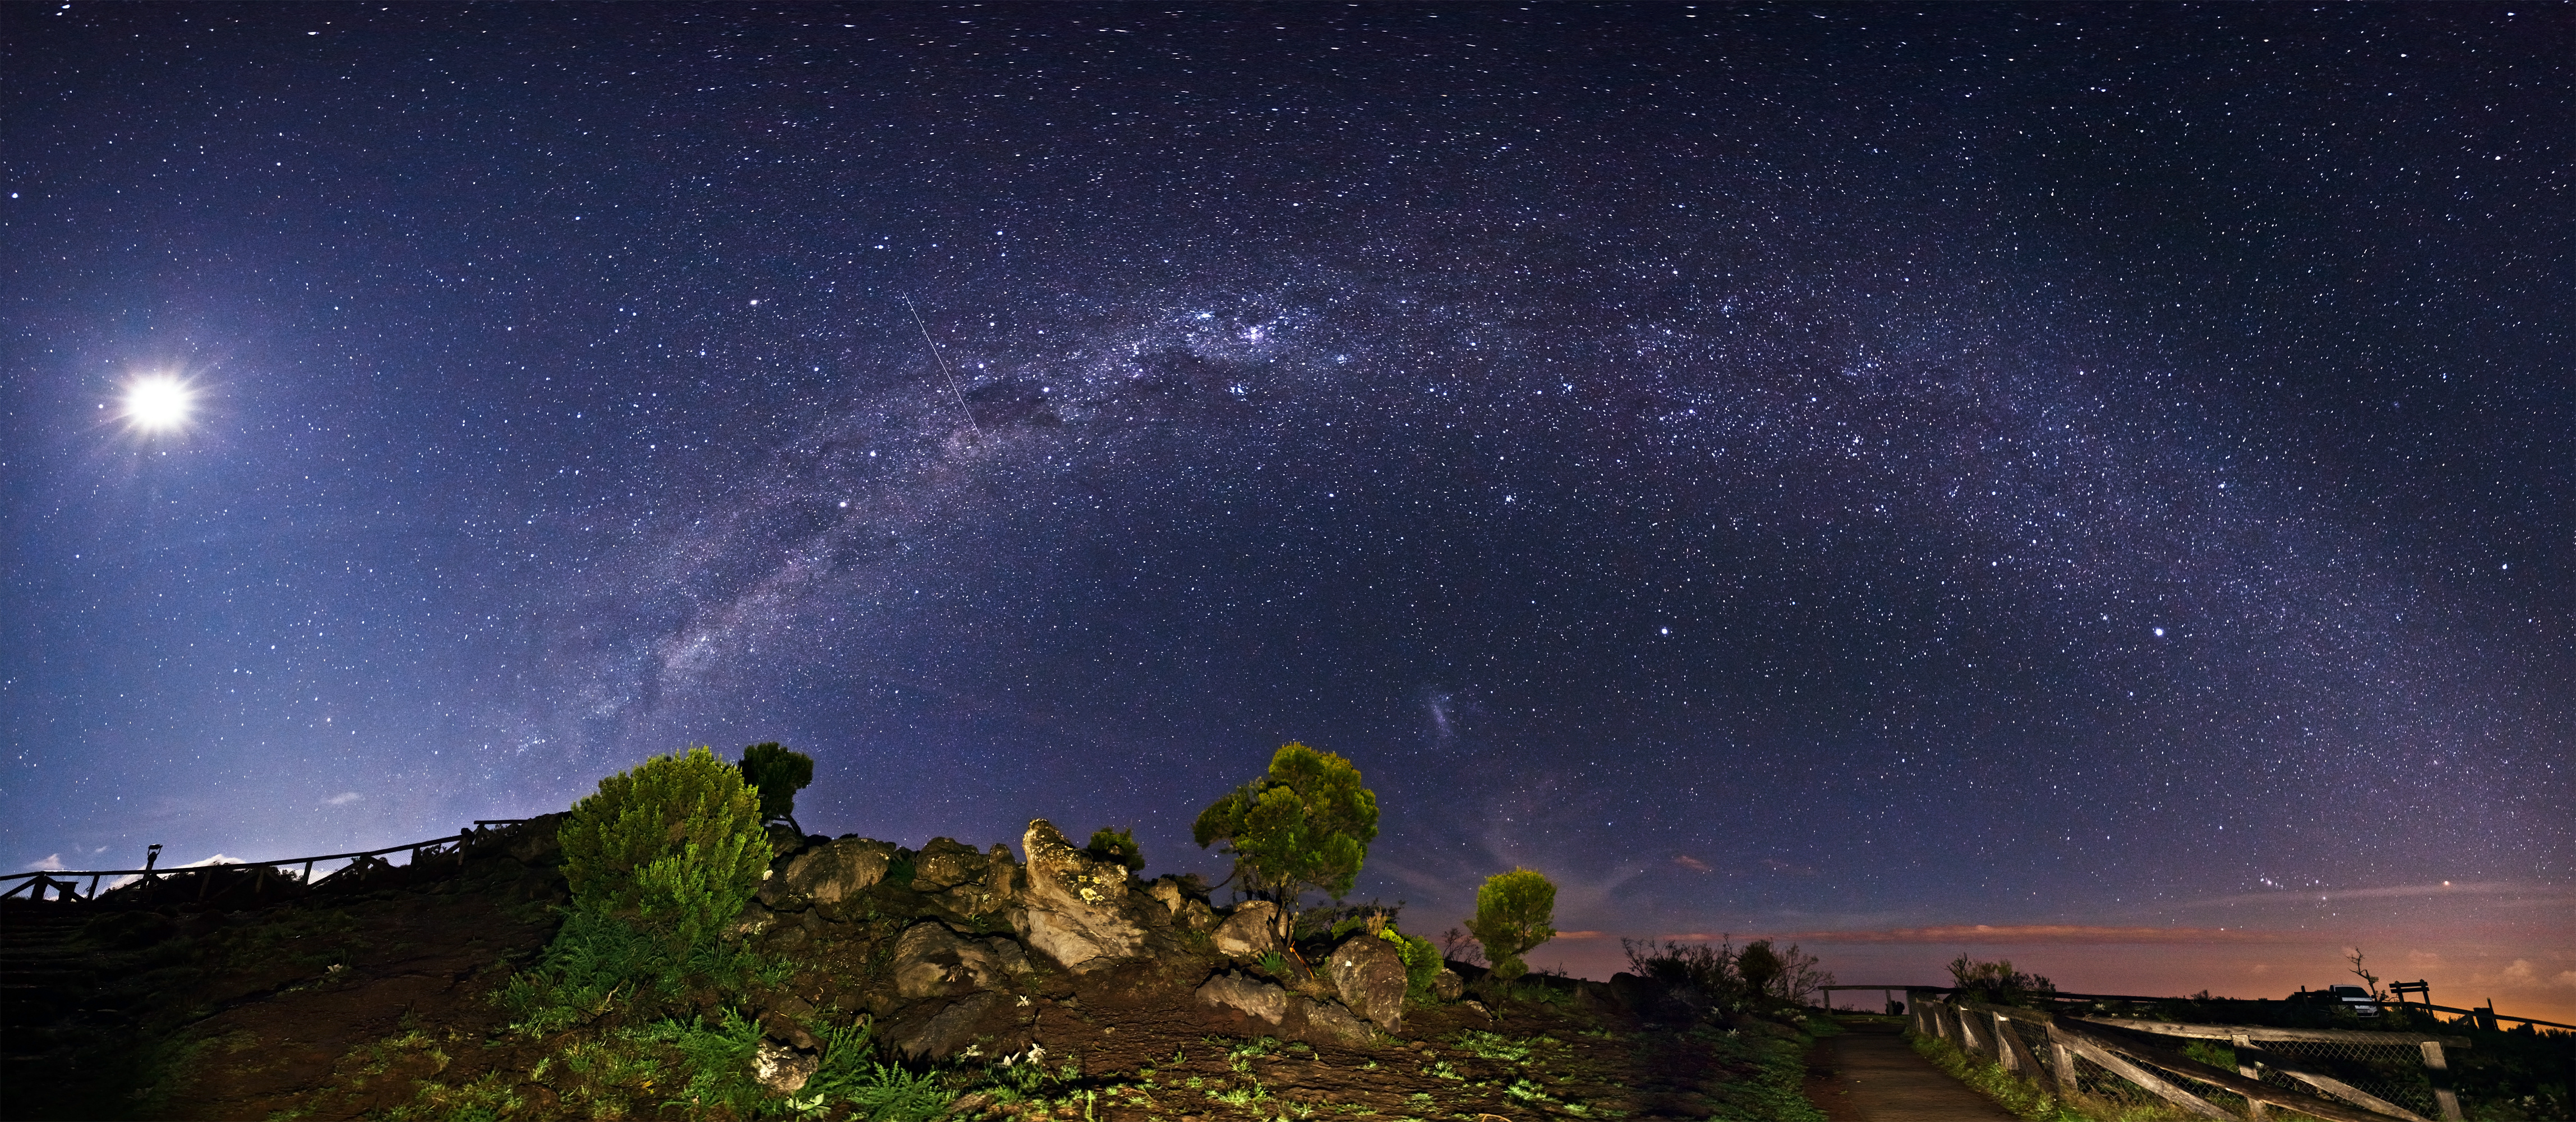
1852 473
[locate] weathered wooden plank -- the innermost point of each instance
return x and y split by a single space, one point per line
2440 1066
2088 1048
2017 1055
2174 1061
2351 1094
2259 1033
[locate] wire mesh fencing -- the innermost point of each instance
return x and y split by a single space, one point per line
2131 1068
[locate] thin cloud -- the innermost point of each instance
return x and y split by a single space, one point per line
2061 933
53 863
1691 863
344 798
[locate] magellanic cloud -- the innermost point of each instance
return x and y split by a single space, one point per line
2388 892
2051 933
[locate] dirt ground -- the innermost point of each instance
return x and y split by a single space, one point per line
341 1007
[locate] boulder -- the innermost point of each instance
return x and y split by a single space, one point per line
935 1032
1447 985
1073 908
1368 972
782 1069
828 874
1259 1000
931 961
1329 1021
1188 908
945 863
992 885
1250 932
784 840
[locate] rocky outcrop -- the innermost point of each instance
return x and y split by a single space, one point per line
1259 1000
785 841
1250 932
933 1031
828 875
932 961
1447 985
966 881
1368 972
1073 908
782 1069
1327 1021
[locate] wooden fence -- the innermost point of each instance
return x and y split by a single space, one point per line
63 885
2291 1069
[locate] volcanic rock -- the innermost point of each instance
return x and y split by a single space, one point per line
931 961
1447 985
1073 908
828 874
1250 932
781 1068
1234 991
1369 974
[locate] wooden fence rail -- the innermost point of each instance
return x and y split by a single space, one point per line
63 884
2138 1051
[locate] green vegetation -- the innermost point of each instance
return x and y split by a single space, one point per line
1305 824
777 774
1758 977
2026 1099
674 846
1996 982
1514 913
1422 963
1776 1057
1118 847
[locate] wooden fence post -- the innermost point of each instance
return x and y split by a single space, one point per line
2062 1058
2440 1066
2017 1054
2255 1109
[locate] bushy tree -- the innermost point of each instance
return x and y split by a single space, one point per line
674 846
777 774
1996 982
1758 966
1515 911
1116 846
1306 823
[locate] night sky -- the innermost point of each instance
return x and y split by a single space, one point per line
1841 472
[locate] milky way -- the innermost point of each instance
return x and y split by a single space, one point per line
1772 469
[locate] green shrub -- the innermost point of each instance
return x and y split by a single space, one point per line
1997 983
1306 823
777 774
1421 963
1514 912
1117 847
674 845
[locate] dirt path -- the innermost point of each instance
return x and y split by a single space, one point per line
1870 1074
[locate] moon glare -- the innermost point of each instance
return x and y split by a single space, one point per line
157 403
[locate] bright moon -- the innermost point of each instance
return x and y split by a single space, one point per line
157 404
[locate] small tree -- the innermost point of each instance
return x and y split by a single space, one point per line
1117 847
1307 823
674 846
1759 967
778 774
1997 983
1514 912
